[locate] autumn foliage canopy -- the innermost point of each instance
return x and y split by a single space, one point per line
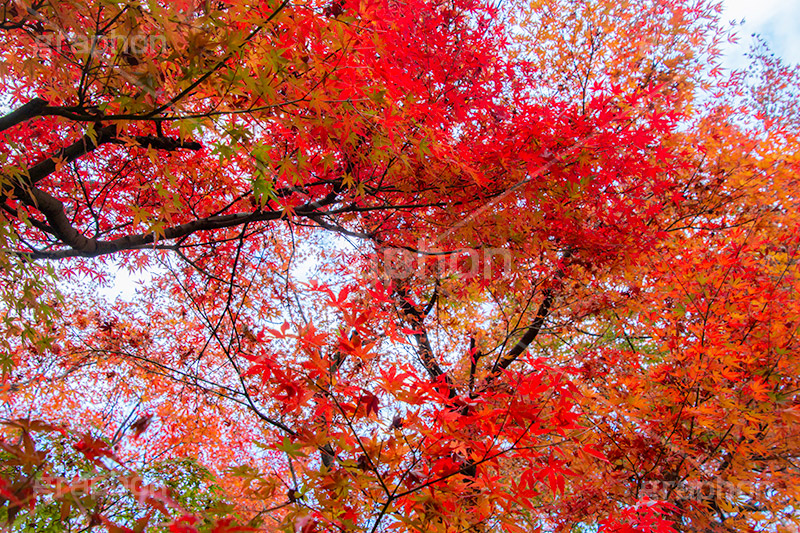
403 265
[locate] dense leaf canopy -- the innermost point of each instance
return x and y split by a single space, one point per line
413 265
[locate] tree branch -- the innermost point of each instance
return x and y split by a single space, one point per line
425 351
21 114
536 326
87 144
78 149
83 246
529 336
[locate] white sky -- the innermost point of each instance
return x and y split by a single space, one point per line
777 21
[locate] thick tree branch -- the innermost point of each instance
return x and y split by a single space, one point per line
167 144
78 149
21 114
474 356
90 247
87 144
536 326
83 246
416 318
529 336
104 135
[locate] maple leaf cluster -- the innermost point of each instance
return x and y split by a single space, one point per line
416 266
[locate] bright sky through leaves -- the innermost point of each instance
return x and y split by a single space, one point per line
777 21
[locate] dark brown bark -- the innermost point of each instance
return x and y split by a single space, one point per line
21 114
